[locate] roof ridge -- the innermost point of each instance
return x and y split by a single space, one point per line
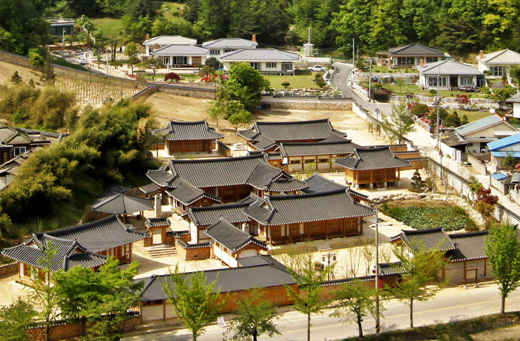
226 159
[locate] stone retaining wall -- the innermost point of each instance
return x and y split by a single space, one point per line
472 213
307 105
8 269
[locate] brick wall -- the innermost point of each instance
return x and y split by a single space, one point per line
192 253
70 330
8 269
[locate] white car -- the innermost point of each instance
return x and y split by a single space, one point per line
82 60
318 68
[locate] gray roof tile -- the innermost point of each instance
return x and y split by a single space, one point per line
183 131
426 240
448 67
188 194
234 213
230 43
291 131
260 55
415 50
230 236
317 148
372 158
468 245
121 203
180 50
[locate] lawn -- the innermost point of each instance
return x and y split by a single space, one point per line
297 82
412 88
168 8
109 26
472 115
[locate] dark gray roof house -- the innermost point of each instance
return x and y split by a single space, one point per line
292 209
265 135
426 240
184 131
372 158
77 245
205 216
231 237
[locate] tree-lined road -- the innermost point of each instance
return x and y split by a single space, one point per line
449 305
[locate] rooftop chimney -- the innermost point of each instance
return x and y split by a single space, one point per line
481 54
422 62
147 36
254 38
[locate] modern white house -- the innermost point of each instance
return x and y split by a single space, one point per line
497 63
410 55
515 100
222 46
266 61
181 55
158 42
448 75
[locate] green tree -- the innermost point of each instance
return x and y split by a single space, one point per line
254 317
509 161
244 84
398 124
172 26
417 182
355 301
419 268
195 301
501 95
236 114
503 250
36 59
16 79
5 225
474 185
212 62
453 120
307 298
14 320
43 294
152 63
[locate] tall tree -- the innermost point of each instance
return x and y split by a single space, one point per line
195 301
419 268
307 298
254 317
14 320
503 250
244 84
399 123
355 301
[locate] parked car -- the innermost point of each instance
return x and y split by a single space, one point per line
318 68
82 60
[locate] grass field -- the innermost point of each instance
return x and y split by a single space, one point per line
412 88
169 9
109 26
472 115
297 82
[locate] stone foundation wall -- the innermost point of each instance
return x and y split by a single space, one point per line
455 272
185 91
8 269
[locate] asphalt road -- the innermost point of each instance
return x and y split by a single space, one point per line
449 305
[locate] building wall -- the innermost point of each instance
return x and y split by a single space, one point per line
455 271
191 146
8 269
490 132
194 253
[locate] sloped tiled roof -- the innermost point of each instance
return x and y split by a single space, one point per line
503 57
121 203
69 253
426 240
253 170
180 50
292 209
10 135
228 280
229 43
317 148
234 213
230 236
158 221
514 99
372 158
415 50
183 131
99 235
504 142
319 184
259 55
468 246
481 124
150 188
187 194
448 67
168 40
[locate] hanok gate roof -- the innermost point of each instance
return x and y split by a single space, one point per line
184 131
292 209
372 158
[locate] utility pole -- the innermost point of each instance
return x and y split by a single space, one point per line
378 325
370 82
354 52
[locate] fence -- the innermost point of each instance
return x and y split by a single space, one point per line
451 102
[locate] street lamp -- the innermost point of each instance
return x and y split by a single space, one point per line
330 258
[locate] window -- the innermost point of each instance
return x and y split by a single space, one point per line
309 161
497 70
466 81
432 81
214 52
166 60
270 65
293 162
19 150
431 59
405 60
180 60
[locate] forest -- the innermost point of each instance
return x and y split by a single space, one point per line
455 26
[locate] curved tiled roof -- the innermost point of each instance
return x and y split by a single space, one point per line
188 194
426 240
468 246
204 216
230 236
291 131
372 158
183 131
317 148
121 203
292 209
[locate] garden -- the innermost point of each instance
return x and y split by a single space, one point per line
422 216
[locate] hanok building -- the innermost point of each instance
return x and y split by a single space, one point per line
319 184
191 183
229 244
372 166
86 245
468 262
319 156
266 136
188 137
292 218
16 141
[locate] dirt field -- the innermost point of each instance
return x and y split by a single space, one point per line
7 70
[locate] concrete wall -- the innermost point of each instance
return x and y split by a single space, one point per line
311 103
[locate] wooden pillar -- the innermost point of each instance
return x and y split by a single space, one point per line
465 273
324 225
164 309
130 255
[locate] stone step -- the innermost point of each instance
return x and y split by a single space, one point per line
161 251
